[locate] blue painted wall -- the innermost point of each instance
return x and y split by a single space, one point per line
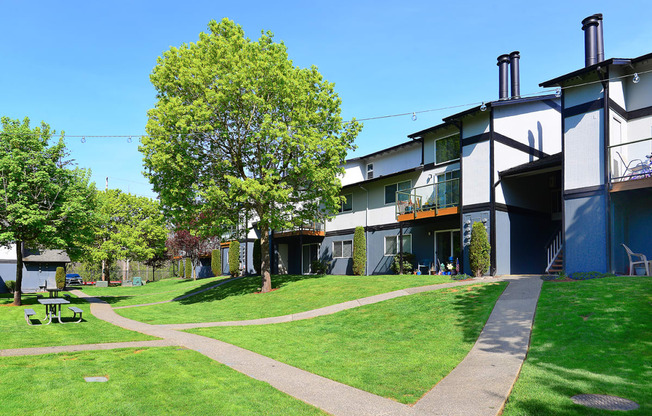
7 272
341 266
632 225
585 247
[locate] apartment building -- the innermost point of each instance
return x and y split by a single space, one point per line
560 181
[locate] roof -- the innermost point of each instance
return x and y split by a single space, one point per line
429 130
377 178
380 152
540 164
45 256
582 71
499 103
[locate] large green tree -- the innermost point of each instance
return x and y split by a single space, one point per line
239 130
127 227
44 201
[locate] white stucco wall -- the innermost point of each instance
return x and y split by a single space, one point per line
475 175
8 253
534 124
583 160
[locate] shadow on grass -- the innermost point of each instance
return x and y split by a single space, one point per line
240 287
588 338
470 304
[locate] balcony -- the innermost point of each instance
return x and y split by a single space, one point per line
428 201
310 229
630 165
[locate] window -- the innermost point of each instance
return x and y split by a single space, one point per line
390 192
447 149
449 190
347 205
370 171
392 247
342 249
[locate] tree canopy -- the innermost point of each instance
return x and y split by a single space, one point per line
238 129
127 227
44 201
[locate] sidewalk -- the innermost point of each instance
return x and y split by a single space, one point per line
479 385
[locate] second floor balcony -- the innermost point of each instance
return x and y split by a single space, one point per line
310 228
630 165
428 201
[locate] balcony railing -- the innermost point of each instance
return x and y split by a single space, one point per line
311 228
630 161
428 200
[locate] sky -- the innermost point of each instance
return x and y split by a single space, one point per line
83 67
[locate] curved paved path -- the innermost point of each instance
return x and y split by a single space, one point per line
479 385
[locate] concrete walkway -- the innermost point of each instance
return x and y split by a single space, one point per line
479 385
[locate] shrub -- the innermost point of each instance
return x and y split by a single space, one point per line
461 276
256 256
188 268
11 285
318 267
216 262
60 278
234 258
359 252
180 268
589 275
409 260
479 250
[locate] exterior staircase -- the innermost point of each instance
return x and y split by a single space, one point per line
555 252
557 265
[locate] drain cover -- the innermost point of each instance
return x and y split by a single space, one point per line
601 401
95 379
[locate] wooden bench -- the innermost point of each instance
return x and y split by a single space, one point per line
28 313
76 311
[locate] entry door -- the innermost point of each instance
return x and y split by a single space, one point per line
447 245
310 254
282 258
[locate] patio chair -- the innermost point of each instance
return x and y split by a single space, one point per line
632 263
632 171
425 263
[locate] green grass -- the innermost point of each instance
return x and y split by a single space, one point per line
237 300
589 337
398 348
17 334
149 381
161 290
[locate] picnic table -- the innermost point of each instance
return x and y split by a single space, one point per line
53 307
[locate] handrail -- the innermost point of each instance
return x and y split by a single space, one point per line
412 200
554 249
642 169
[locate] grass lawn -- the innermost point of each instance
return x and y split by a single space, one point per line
589 337
161 290
398 348
149 381
237 300
17 334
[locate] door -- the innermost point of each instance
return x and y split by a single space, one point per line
310 254
447 247
282 260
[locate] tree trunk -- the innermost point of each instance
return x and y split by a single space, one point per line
103 270
19 274
265 265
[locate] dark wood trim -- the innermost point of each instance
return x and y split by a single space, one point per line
518 145
583 108
484 137
584 192
605 155
552 104
476 208
563 158
440 165
492 191
631 184
629 115
461 128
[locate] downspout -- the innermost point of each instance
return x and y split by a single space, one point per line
366 239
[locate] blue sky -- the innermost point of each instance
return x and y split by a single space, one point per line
84 67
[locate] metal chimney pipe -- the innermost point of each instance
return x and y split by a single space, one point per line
503 62
600 38
515 72
590 28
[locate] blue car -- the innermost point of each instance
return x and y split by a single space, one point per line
73 279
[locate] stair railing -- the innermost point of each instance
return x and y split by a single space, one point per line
554 248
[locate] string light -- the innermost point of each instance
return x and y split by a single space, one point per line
129 139
557 92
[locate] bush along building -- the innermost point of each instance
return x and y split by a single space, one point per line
559 180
